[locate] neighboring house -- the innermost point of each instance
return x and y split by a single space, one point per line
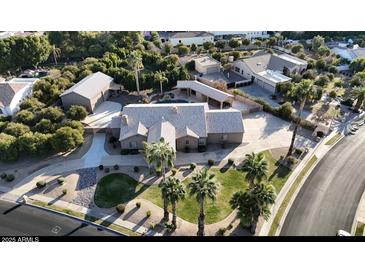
349 53
13 92
89 92
245 34
268 70
207 65
187 38
186 126
205 93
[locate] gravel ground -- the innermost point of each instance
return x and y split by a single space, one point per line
86 188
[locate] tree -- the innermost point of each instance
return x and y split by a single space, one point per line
357 65
136 63
245 42
44 126
8 147
203 186
254 203
220 44
167 48
297 48
234 43
322 81
173 190
25 117
255 167
32 103
317 42
359 94
323 51
207 45
182 50
77 112
160 77
162 155
301 93
193 47
272 41
54 114
284 87
309 74
16 129
66 138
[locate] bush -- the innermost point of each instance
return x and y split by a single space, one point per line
291 161
41 184
3 175
64 191
107 170
116 167
210 162
338 84
298 151
136 169
10 177
333 94
138 204
192 166
230 161
101 167
61 180
148 214
285 110
120 208
173 171
221 231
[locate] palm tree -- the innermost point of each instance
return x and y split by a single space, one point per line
162 155
253 204
160 77
255 167
135 61
203 186
359 94
174 191
56 52
301 92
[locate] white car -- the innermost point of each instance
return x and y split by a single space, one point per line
342 233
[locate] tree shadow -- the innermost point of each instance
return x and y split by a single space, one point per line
12 208
82 225
56 199
130 213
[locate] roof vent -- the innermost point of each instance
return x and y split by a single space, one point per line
125 119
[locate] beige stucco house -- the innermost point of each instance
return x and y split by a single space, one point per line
89 92
185 126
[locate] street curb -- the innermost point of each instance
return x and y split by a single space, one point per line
354 223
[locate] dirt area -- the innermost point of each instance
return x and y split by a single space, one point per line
277 153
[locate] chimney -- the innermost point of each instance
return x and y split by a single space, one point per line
125 119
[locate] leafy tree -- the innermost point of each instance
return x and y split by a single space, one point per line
167 48
285 110
173 191
297 48
66 138
8 148
255 167
75 125
32 103
309 74
317 42
162 155
245 42
136 64
203 186
207 45
25 117
160 77
190 66
16 129
44 126
357 65
272 41
182 50
320 64
54 114
77 112
220 44
322 81
359 94
358 79
234 43
284 87
254 203
323 51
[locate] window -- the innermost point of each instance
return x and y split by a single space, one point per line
193 92
201 141
236 69
186 142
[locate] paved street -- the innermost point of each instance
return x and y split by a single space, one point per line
22 220
329 198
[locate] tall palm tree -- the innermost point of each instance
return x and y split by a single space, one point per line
253 204
162 155
301 92
174 191
359 94
203 186
56 52
160 77
136 63
255 167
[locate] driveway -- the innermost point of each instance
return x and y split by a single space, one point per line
103 114
96 152
329 198
259 92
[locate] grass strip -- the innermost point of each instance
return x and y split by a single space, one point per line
333 140
359 229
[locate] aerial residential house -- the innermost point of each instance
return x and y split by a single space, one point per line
185 126
186 37
349 53
89 92
207 65
245 34
268 70
13 92
205 93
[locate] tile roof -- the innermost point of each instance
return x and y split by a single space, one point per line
162 129
8 91
91 85
137 129
224 121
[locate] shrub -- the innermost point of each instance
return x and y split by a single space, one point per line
64 191
116 167
138 204
210 162
221 231
298 151
3 175
230 161
333 94
158 172
285 110
192 166
338 84
107 170
41 184
10 177
136 169
120 208
148 214
61 180
291 161
173 171
76 112
101 167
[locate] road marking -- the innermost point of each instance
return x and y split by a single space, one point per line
56 229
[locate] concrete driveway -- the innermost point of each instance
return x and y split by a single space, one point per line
96 152
103 114
259 92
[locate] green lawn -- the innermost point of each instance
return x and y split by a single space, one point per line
359 229
333 140
120 188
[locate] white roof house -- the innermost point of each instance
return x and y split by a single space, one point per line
349 53
187 37
206 65
13 92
